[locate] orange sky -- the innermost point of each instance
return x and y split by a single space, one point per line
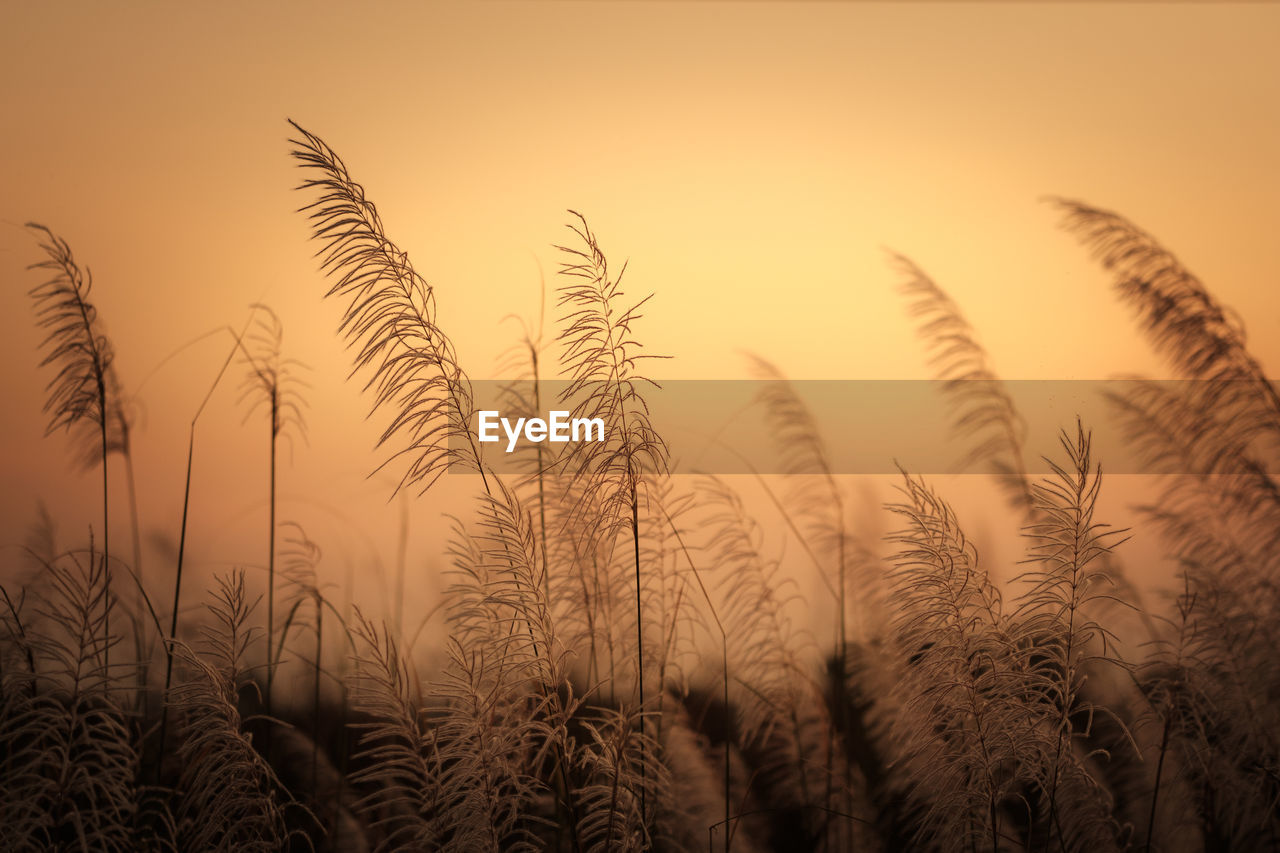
752 160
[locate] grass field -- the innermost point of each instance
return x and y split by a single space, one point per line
625 668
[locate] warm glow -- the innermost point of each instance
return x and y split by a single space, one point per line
756 164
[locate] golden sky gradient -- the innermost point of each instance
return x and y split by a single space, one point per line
752 160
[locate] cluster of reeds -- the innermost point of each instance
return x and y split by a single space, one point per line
623 670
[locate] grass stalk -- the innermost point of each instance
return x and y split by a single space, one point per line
315 695
106 551
271 560
724 664
182 537
635 540
402 547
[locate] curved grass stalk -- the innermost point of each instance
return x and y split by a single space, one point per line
821 510
79 350
270 383
601 360
1055 612
980 403
390 319
182 532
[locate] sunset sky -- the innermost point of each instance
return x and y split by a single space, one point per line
753 161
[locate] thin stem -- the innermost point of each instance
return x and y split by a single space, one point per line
106 559
561 772
542 500
131 484
182 538
271 564
177 597
402 547
724 662
635 539
1155 792
1185 603
315 698
143 649
1068 665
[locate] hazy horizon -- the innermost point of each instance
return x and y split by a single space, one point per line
753 162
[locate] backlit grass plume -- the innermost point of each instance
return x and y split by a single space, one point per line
815 505
507 670
76 346
400 794
981 406
390 319
969 736
67 755
1058 615
601 360
1212 683
783 719
1201 338
229 797
815 512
